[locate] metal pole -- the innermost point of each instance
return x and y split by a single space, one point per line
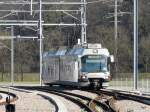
116 21
31 7
116 35
135 44
41 31
12 55
83 22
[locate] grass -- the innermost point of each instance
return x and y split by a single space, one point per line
27 77
130 75
144 75
121 83
127 84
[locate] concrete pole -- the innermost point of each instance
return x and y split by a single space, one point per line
41 41
135 44
12 55
83 22
116 21
116 35
31 7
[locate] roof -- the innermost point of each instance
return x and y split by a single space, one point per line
75 51
65 51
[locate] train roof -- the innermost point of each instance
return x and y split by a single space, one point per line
64 51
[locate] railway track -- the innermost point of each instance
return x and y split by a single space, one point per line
30 101
13 97
85 103
122 95
111 96
93 104
127 95
103 103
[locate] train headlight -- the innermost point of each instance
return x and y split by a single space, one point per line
108 78
83 76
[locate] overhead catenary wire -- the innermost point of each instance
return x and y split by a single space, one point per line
98 1
28 11
6 15
43 3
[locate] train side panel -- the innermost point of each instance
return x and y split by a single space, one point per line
68 69
60 70
51 70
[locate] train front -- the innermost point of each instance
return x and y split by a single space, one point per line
95 66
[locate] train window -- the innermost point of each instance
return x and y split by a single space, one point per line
96 63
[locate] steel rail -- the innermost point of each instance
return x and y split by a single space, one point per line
52 101
42 95
103 105
129 96
132 92
93 105
123 95
108 101
76 101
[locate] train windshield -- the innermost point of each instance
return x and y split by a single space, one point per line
96 63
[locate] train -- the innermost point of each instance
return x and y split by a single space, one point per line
85 65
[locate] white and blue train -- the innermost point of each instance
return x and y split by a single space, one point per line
86 65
